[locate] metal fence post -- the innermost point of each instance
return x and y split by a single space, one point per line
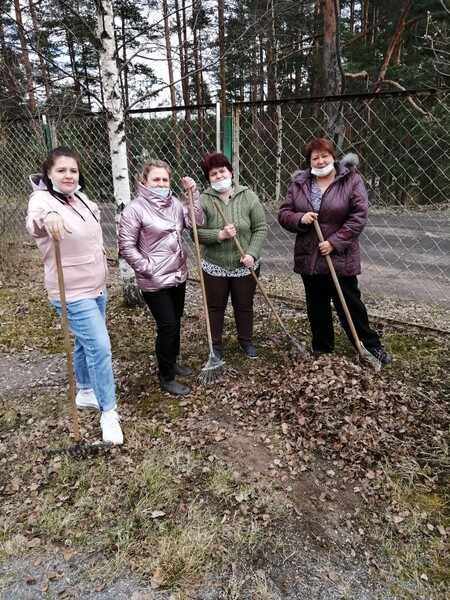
227 141
218 127
235 142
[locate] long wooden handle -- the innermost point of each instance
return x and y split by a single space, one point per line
65 326
258 282
339 291
200 270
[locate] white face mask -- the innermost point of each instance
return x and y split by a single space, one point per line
56 189
221 186
161 192
324 171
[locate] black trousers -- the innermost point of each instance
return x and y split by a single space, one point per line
320 290
242 291
167 308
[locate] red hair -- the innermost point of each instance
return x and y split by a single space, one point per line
320 145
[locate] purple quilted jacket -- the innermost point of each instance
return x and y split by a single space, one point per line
342 217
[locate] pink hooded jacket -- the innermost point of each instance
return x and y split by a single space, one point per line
82 253
151 240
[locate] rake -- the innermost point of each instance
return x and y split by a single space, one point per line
214 366
362 351
295 343
79 447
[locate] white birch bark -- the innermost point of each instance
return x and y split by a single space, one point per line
279 118
113 103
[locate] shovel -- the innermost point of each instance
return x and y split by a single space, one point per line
363 352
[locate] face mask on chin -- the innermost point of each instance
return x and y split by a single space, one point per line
56 189
324 171
221 186
161 192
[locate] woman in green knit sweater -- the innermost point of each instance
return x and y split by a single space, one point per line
225 272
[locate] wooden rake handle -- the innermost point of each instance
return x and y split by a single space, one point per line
65 326
259 284
200 271
340 294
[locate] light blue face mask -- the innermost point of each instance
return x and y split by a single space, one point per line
161 192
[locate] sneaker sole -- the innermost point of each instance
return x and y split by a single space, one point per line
87 406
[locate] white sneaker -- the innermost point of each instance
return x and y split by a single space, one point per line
110 424
86 399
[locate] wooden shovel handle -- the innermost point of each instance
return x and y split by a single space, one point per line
255 277
339 291
65 326
199 268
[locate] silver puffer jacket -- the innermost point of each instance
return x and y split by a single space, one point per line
151 240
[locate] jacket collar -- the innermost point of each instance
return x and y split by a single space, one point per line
154 198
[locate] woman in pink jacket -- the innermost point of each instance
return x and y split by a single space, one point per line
59 210
151 241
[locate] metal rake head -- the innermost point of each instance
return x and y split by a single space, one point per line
297 347
370 359
80 449
212 370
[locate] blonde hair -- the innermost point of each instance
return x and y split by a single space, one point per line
154 163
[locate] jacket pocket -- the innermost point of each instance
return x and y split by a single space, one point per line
79 272
79 259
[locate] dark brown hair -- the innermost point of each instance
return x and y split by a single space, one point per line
49 162
319 145
215 160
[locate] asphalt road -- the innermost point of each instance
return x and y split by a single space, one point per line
405 255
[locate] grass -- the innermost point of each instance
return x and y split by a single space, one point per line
165 504
412 529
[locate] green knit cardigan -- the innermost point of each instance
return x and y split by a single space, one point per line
246 212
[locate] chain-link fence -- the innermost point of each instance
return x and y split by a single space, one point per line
401 140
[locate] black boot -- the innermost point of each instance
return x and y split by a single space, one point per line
173 387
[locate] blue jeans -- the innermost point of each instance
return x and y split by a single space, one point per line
92 352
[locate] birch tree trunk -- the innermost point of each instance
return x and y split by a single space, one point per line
44 73
25 56
110 82
272 75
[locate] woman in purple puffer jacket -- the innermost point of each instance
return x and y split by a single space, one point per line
333 193
151 241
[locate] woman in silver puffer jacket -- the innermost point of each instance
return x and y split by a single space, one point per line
151 241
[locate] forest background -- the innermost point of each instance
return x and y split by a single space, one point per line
123 81
214 50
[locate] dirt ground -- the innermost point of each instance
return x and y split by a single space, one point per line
324 555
